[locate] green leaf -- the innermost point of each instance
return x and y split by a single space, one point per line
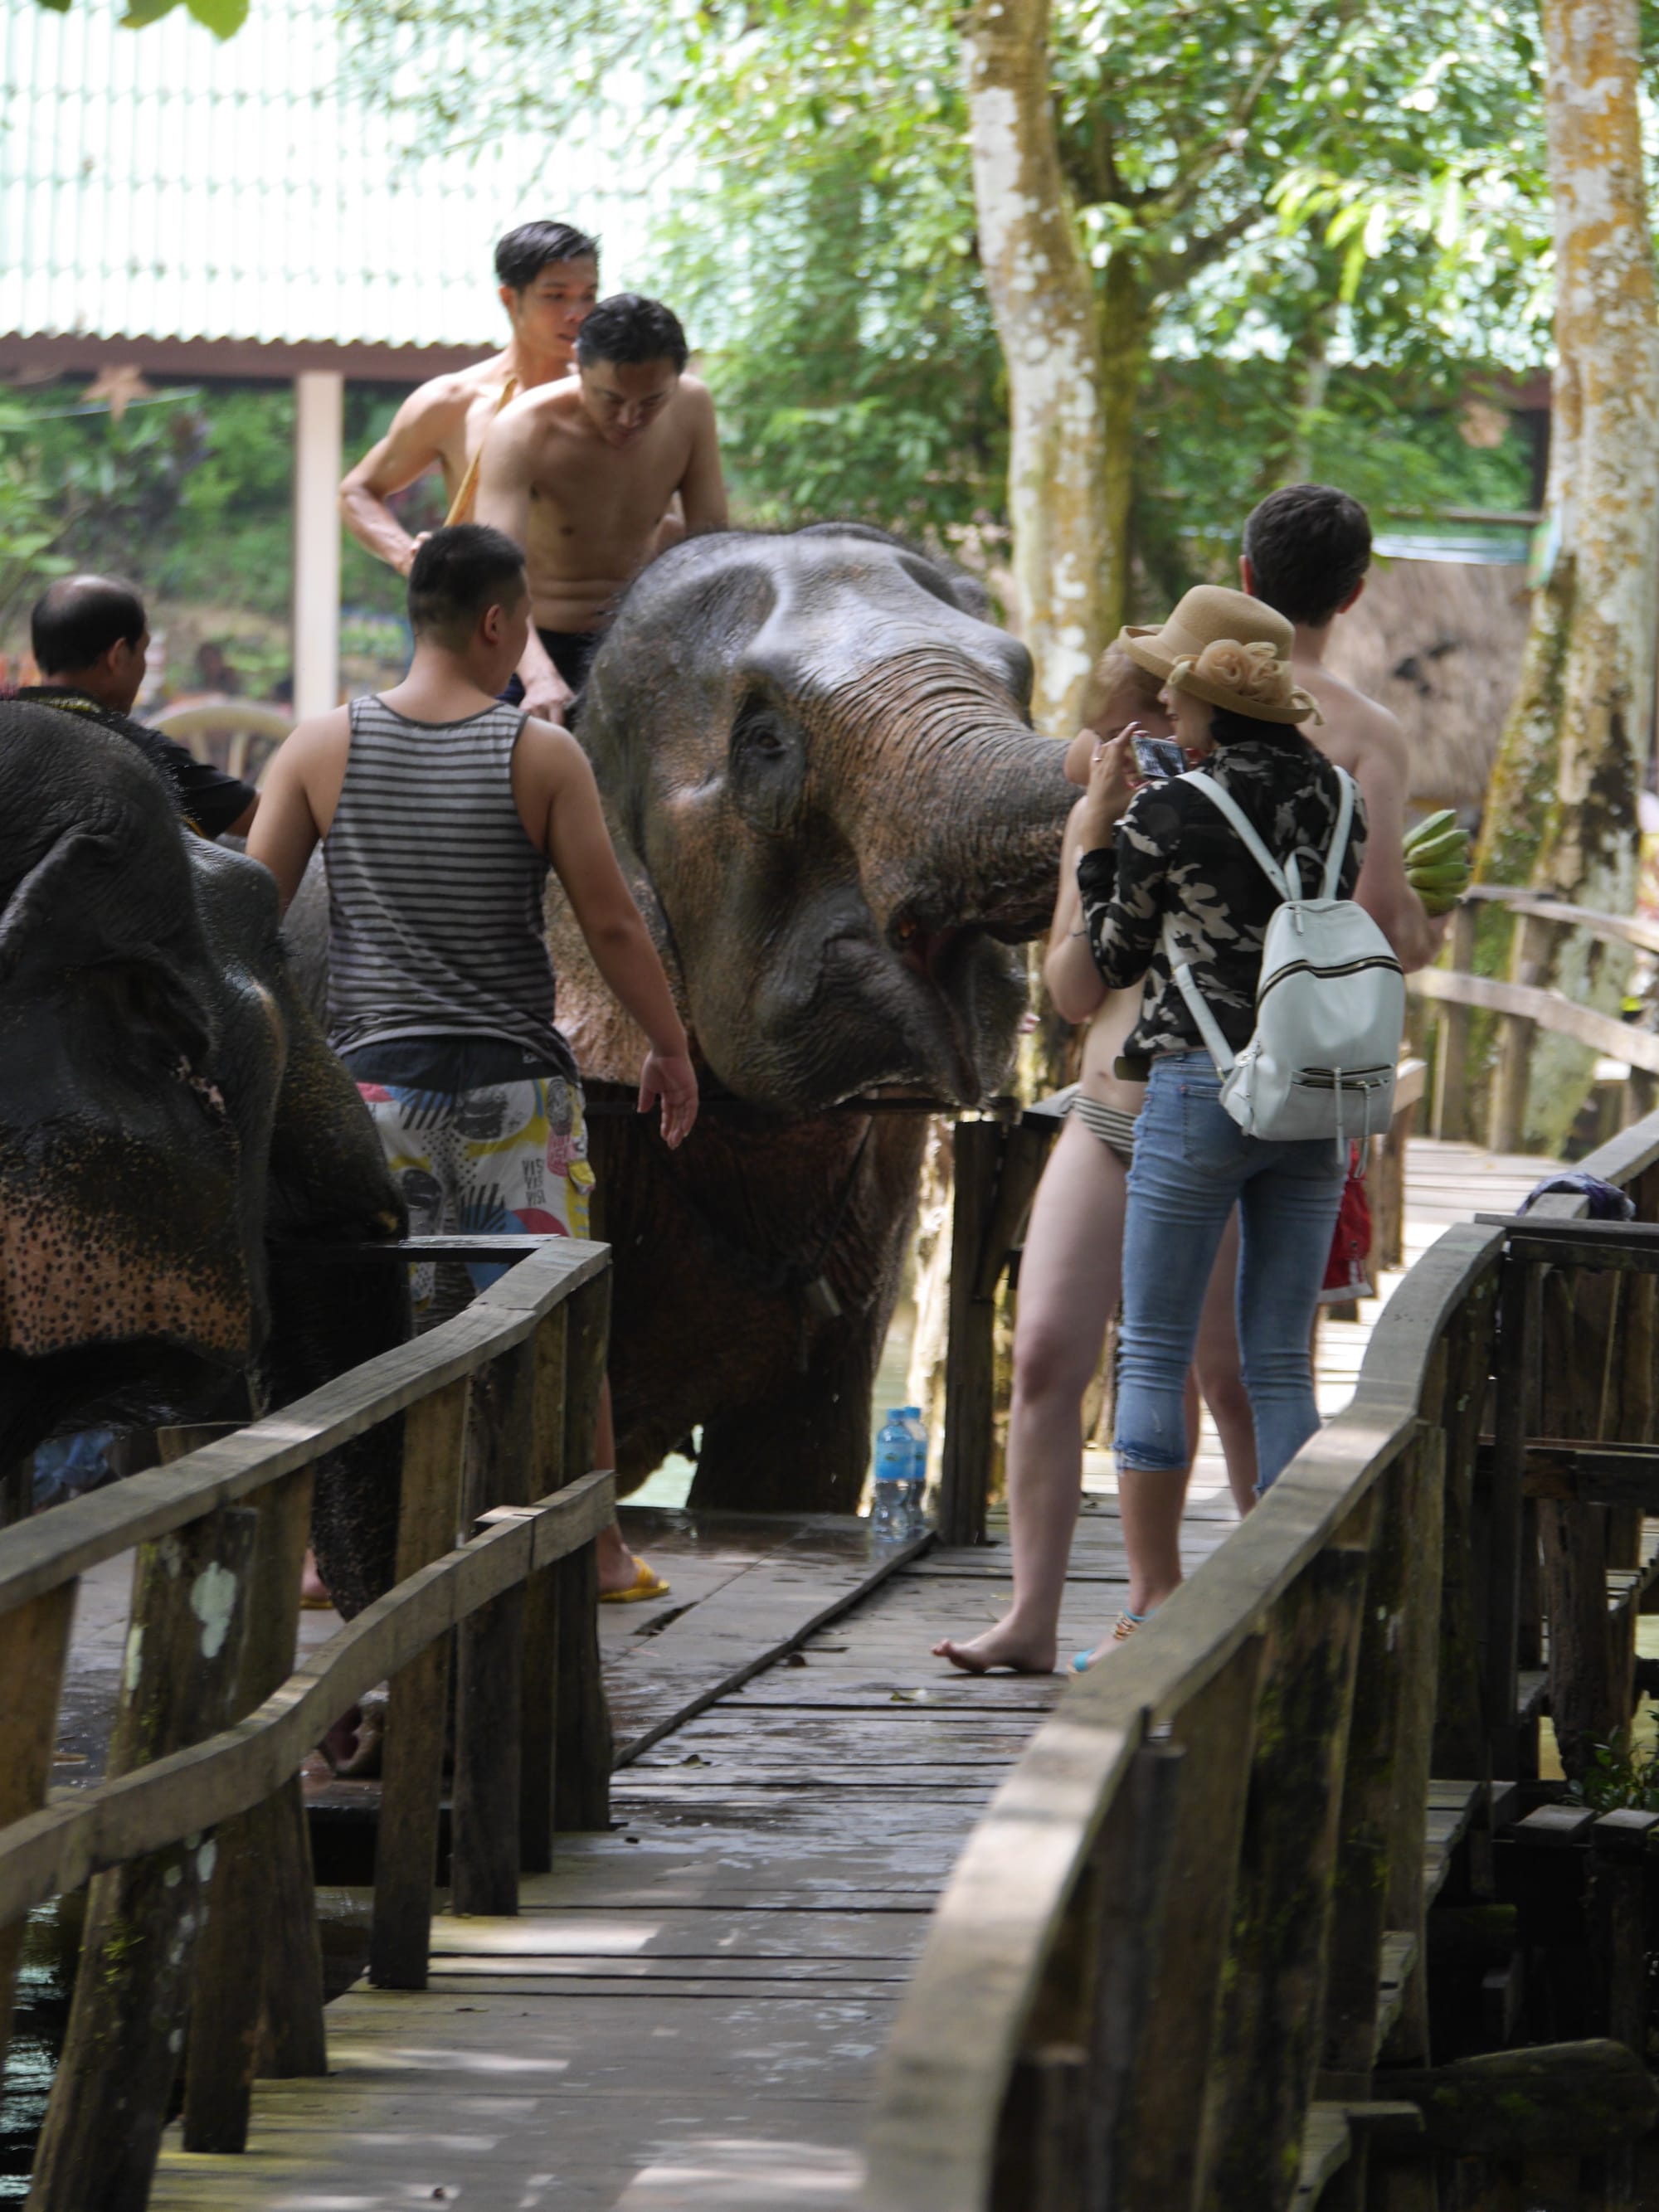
224 18
141 12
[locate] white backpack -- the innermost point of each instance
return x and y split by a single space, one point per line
1330 1008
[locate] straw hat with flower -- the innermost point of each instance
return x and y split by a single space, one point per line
1228 649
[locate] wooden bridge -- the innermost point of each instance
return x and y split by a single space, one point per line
750 1903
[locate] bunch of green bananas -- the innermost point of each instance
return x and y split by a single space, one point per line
1437 860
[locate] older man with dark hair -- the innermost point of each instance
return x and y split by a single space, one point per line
580 473
89 637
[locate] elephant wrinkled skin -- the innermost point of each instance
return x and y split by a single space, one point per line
819 772
167 1104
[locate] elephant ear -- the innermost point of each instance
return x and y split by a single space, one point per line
609 1044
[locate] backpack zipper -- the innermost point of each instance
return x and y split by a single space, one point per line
1308 967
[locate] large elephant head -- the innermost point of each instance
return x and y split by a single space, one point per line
816 758
167 1103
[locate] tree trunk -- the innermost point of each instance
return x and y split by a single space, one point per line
1067 501
1562 809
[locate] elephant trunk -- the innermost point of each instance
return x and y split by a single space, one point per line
964 821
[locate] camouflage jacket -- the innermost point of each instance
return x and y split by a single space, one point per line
1177 854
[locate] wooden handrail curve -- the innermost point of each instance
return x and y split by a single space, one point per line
1612 928
1550 1010
1523 1008
201 1911
196 1789
54 1547
1038 1994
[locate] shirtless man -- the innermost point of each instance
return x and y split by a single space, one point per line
550 279
1307 550
580 474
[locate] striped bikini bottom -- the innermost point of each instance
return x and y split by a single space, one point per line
1115 1128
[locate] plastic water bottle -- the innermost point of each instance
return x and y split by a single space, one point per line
916 1488
889 1500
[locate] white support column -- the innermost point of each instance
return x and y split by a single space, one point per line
319 463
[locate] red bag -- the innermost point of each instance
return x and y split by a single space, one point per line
1347 1272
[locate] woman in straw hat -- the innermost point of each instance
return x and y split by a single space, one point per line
1163 849
1070 1268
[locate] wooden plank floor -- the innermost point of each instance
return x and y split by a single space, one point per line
690 2009
779 1844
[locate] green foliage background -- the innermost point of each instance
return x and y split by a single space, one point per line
1333 218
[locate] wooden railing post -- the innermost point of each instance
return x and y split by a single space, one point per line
582 1779
1461 1751
969 1363
126 2029
1379 1866
1517 1036
484 1806
418 1715
1500 1527
1451 1051
1589 1681
1267 2041
1071 2116
33 1648
1157 2170
540 1707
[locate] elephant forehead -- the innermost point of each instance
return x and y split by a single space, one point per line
840 627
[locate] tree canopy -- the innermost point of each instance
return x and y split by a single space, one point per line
1320 220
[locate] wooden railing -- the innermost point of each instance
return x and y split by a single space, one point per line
201 1952
1186 1944
1523 1008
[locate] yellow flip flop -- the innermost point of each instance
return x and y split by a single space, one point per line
646 1583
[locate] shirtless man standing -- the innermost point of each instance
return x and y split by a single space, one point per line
1307 549
550 279
581 474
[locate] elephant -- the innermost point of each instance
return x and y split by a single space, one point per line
173 1132
817 762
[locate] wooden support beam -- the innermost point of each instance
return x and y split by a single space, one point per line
539 1710
258 2005
1265 2052
417 1716
1451 1052
1561 2097
1157 2165
970 1377
1519 1339
489 1649
1379 1866
581 1777
33 1649
126 2029
1461 1748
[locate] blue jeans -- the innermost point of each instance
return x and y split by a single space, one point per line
1192 1164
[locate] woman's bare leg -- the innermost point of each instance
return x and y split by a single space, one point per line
1069 1280
1221 1378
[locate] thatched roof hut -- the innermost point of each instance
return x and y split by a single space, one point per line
1439 643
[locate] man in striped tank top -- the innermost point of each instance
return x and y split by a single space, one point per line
440 811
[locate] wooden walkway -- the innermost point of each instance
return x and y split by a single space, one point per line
690 2009
798 1777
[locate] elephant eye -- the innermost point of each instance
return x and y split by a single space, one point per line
760 732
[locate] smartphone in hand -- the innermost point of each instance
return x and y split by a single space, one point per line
1158 758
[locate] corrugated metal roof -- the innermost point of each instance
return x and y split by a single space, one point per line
160 184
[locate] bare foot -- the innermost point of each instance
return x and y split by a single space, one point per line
1001 1646
313 1593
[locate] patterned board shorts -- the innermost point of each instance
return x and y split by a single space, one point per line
506 1157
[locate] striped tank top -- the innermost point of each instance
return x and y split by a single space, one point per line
434 890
